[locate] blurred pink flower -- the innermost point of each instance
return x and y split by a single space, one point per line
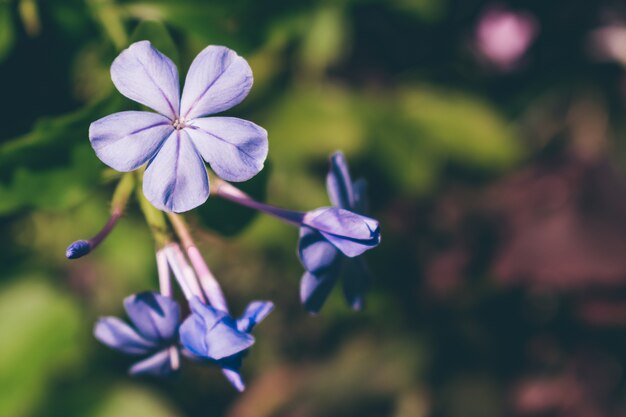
503 36
609 43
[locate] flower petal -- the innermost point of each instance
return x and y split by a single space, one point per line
192 336
158 364
210 316
234 377
356 280
359 190
156 317
338 182
254 314
218 79
176 178
235 148
316 253
224 340
351 233
118 335
216 337
145 75
314 289
127 140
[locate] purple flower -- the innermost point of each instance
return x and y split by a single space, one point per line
155 319
213 335
175 141
328 233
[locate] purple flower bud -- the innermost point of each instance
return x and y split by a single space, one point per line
78 249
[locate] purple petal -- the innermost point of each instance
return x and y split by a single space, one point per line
234 377
118 335
218 79
156 317
145 75
359 191
254 314
224 340
356 280
176 179
235 148
209 315
158 364
349 232
212 334
127 140
316 253
314 289
338 182
192 336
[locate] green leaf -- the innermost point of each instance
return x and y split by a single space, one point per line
40 339
133 401
325 41
424 129
312 123
7 30
53 166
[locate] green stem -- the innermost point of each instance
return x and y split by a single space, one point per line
155 219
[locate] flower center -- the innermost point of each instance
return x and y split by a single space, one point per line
179 123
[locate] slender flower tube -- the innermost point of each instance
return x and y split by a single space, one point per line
81 248
210 286
349 232
165 281
183 272
229 192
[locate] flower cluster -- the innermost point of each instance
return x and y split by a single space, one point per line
173 144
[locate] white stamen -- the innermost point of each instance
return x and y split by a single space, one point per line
179 123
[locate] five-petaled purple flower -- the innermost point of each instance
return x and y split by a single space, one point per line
321 252
155 334
174 141
212 334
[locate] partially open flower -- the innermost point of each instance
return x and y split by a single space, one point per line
213 335
155 319
329 233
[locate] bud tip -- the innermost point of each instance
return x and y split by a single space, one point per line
78 249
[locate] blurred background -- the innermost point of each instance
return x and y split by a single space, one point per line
493 139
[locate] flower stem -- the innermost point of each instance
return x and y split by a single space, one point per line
155 219
209 284
118 205
229 192
183 272
165 281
